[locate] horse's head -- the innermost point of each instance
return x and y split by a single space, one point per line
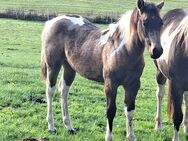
149 26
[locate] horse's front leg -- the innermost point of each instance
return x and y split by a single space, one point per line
110 90
177 97
130 96
185 119
159 94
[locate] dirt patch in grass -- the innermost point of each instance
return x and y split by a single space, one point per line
35 139
36 99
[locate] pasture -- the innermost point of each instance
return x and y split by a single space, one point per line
23 100
84 7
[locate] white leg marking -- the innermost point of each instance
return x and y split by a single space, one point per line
50 118
108 136
129 123
185 118
159 94
64 90
176 135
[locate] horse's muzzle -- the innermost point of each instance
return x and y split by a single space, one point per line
157 52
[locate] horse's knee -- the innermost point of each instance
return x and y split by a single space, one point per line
161 79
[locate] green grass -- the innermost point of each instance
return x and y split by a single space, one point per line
21 91
83 7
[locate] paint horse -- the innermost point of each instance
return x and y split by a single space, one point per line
113 56
173 65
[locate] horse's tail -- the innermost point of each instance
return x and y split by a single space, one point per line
170 107
43 67
43 62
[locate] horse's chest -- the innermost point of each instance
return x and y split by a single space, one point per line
124 72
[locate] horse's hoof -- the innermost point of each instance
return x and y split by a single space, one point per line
185 129
130 138
72 131
158 127
52 131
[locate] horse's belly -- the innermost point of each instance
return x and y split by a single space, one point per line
88 68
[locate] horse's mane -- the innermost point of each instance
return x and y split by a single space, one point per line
182 34
121 28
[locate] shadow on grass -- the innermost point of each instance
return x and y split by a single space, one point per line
186 137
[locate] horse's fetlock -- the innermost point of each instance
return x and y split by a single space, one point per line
49 118
108 136
66 120
130 137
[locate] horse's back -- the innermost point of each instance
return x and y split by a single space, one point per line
174 16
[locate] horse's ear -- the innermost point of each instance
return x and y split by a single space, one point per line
140 5
160 5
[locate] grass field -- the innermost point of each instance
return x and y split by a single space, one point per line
22 92
84 7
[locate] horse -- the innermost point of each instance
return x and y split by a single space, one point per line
113 56
173 65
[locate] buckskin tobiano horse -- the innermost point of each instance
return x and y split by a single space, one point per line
173 65
113 56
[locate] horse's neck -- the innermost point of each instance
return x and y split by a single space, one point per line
133 42
131 52
134 47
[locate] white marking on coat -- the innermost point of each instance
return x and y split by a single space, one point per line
64 90
50 118
175 136
77 21
159 94
129 124
166 38
108 136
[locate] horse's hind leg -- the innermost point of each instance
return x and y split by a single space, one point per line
159 94
52 73
65 82
185 119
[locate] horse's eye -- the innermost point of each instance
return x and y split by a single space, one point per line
145 22
161 23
